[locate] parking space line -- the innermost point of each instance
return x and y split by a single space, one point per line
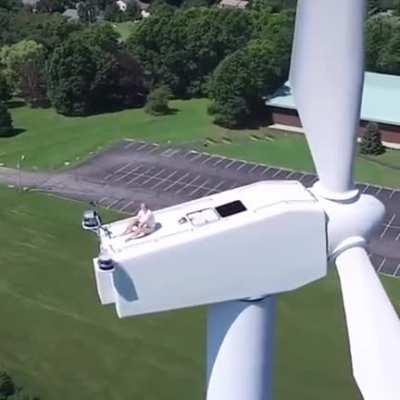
127 205
165 179
128 173
103 199
175 182
289 175
202 186
276 173
207 159
196 157
387 226
381 264
189 153
229 164
253 168
144 145
113 203
396 270
392 194
156 147
154 176
173 153
125 166
136 177
214 189
188 184
219 161
241 166
266 170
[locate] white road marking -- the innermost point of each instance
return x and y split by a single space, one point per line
175 182
188 184
127 205
144 145
396 270
154 176
165 179
202 186
276 173
253 169
387 226
196 157
127 174
381 265
266 170
219 161
176 151
214 189
229 164
136 177
241 166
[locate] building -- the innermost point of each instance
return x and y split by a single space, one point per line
381 104
233 4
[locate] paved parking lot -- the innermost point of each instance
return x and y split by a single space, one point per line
130 172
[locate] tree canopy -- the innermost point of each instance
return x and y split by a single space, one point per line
89 73
242 79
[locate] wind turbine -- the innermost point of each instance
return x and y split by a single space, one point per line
236 250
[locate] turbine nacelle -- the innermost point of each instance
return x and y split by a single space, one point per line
249 242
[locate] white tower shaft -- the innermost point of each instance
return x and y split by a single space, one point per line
240 338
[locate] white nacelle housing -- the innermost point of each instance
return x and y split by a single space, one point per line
265 238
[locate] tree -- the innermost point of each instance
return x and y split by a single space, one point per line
389 58
50 30
396 7
243 78
51 6
157 101
23 67
7 387
5 90
90 73
11 5
87 11
113 13
182 48
374 7
371 142
379 31
70 74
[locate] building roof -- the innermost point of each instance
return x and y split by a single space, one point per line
71 13
233 3
381 98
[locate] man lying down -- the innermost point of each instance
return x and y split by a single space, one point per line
142 224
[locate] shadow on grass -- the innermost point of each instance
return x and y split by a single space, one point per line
16 103
12 133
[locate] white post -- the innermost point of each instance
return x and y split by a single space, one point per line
240 342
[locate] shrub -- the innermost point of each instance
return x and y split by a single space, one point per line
157 101
371 142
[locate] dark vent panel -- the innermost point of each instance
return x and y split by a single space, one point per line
228 209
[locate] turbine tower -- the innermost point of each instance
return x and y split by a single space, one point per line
236 250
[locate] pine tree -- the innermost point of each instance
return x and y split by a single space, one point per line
371 142
7 386
5 129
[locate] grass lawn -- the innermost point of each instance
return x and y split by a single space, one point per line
57 341
51 140
124 29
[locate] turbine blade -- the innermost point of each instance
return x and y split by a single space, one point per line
373 327
327 80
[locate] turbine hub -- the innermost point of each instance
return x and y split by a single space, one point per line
351 222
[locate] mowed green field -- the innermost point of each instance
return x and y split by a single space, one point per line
59 342
53 141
